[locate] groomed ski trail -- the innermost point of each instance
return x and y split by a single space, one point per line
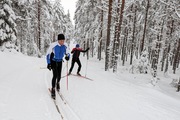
24 92
66 112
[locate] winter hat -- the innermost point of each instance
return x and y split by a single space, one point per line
61 37
77 45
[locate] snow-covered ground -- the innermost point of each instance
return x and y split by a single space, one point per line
24 92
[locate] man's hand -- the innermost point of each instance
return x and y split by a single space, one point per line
49 67
87 49
67 57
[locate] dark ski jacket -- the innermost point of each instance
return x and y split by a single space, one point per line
76 52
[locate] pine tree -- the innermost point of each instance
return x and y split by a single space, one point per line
7 23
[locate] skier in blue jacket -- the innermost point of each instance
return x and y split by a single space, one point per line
54 58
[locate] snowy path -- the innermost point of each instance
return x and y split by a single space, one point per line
112 97
24 94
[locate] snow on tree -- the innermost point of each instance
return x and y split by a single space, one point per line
140 65
37 25
58 18
69 28
7 23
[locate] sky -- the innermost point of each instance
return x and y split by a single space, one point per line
69 5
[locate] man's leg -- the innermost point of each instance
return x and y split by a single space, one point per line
54 70
59 68
72 66
79 64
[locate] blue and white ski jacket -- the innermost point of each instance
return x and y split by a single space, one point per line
58 50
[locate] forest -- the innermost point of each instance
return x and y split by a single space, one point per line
141 33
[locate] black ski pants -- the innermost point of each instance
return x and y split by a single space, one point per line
72 65
56 69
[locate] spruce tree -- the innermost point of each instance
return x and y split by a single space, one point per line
7 25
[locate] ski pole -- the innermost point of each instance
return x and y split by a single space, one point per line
67 75
86 66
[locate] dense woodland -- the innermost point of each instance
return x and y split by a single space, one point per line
131 31
30 25
141 33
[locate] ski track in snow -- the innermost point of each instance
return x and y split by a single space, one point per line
66 111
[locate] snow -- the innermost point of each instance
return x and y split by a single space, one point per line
24 83
2 12
1 21
10 11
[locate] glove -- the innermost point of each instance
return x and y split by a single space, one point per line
87 49
49 67
67 57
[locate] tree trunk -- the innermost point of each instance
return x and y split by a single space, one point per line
164 56
171 31
108 36
87 51
133 37
118 35
167 59
164 51
114 63
39 25
21 41
124 46
145 24
92 50
101 33
175 63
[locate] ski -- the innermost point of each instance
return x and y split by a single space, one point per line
64 76
82 77
78 76
62 98
54 101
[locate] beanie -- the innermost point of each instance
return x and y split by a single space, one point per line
77 45
61 37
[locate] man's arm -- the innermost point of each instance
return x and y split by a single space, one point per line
73 50
84 50
67 50
49 51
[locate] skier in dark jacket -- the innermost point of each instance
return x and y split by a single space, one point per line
54 57
75 58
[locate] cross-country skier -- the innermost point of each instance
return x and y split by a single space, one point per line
76 53
54 58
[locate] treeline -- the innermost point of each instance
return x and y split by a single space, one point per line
30 25
126 29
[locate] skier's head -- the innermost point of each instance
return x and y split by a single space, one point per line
77 45
61 39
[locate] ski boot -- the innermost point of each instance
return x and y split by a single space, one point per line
53 93
78 74
58 87
69 73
